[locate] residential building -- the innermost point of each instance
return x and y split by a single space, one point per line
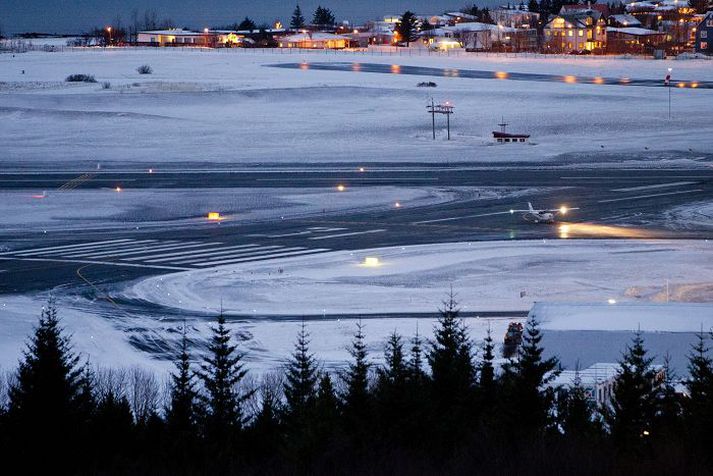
314 40
704 35
517 16
576 31
175 37
634 40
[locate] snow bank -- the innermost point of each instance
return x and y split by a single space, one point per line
487 276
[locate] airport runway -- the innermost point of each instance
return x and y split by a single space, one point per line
613 203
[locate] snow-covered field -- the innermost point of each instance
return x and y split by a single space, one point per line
576 278
229 107
488 276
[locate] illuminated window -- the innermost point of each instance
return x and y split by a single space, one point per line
569 33
580 32
704 45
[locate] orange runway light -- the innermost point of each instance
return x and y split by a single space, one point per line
598 80
501 75
570 79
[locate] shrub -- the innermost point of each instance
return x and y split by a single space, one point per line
144 69
80 78
426 84
106 85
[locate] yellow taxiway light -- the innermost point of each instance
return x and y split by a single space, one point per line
371 262
214 216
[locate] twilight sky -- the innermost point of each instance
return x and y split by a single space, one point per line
73 16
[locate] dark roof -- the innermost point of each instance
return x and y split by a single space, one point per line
600 7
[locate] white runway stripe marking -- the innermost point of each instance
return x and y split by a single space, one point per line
638 197
648 187
84 261
110 251
71 247
185 254
277 249
267 257
150 248
221 255
459 218
339 235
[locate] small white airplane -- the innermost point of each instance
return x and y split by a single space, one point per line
542 216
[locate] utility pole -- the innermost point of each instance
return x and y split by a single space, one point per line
446 109
433 119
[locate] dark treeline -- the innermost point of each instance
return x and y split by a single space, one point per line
439 406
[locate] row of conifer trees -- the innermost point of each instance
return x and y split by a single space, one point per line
439 406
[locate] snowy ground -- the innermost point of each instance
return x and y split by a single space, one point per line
228 107
576 278
488 276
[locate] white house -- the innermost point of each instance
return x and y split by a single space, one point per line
314 40
175 37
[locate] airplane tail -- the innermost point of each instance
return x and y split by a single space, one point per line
529 206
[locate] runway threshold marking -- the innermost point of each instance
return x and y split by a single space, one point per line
185 254
232 254
340 235
106 263
653 195
67 247
647 187
268 257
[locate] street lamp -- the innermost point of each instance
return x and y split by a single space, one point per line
668 85
108 30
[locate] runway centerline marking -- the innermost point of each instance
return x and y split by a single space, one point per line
653 195
340 235
460 217
647 187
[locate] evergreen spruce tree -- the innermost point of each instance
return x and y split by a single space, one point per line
667 424
528 401
298 20
486 368
181 417
356 399
247 24
451 359
634 403
699 406
300 380
407 28
323 17
415 362
577 412
266 431
47 399
392 390
113 430
221 372
326 405
533 6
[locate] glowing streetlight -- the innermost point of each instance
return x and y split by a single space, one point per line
667 82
